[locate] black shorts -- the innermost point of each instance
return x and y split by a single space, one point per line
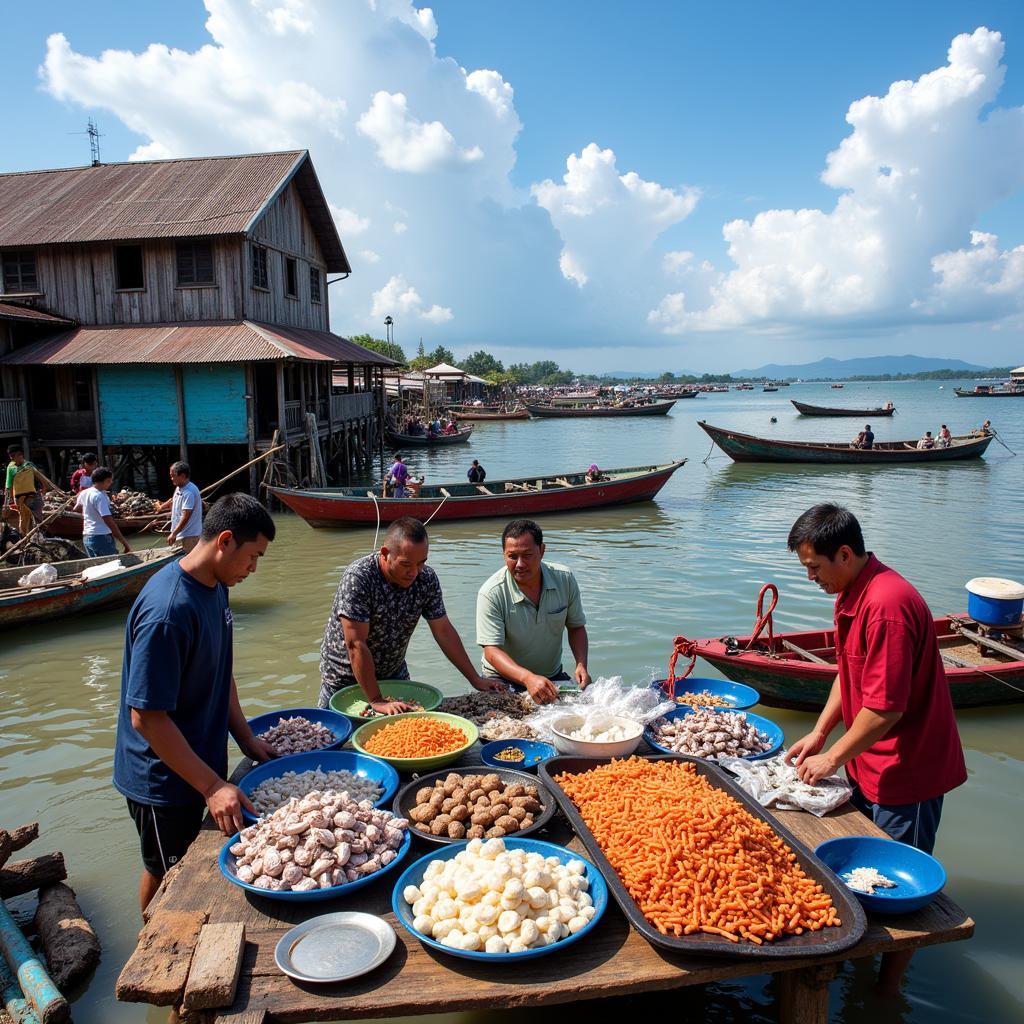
165 833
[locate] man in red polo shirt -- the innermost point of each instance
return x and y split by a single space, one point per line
901 747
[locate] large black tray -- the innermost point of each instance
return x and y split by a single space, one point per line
819 943
405 799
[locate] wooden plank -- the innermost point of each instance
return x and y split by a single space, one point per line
22 876
995 645
444 492
213 977
157 970
790 646
483 490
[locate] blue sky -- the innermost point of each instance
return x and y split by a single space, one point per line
468 233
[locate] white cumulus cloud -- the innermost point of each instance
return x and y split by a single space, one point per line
405 144
348 221
369 255
398 298
606 219
918 168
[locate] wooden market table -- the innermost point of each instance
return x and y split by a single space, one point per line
613 961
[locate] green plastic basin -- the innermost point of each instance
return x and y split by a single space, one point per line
351 701
418 764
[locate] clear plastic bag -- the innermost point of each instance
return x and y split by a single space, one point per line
773 783
40 576
603 699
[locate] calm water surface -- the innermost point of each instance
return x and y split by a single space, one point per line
690 563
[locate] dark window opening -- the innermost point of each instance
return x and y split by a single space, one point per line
314 283
291 278
83 389
128 267
195 263
42 385
20 271
260 279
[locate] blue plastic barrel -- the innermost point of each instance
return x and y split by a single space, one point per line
995 602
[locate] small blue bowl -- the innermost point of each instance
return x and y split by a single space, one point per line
763 725
919 877
534 751
338 724
739 696
413 875
226 862
363 765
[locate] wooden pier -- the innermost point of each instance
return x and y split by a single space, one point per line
613 961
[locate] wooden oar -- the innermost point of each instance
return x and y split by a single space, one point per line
252 462
790 646
31 533
68 581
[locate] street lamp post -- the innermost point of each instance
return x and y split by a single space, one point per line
389 325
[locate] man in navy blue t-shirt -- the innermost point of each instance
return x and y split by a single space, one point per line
178 695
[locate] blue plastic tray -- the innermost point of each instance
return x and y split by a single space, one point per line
919 877
739 696
363 765
765 725
226 862
535 751
337 723
413 875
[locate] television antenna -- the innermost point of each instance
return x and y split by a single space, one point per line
93 131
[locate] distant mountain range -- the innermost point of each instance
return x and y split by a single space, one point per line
863 366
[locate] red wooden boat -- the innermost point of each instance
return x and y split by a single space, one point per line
69 524
525 496
787 678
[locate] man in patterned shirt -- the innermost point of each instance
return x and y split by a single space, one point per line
378 604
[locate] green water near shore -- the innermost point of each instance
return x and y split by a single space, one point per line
690 563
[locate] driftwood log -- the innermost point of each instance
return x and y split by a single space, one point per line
23 876
69 942
17 838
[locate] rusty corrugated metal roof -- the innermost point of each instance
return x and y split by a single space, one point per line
235 341
160 199
12 311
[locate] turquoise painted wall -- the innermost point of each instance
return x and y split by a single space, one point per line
138 404
215 403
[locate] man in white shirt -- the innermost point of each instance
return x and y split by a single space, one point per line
98 526
186 505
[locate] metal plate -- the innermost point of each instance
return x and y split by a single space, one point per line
335 947
834 940
405 801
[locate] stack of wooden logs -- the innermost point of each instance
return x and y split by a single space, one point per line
30 991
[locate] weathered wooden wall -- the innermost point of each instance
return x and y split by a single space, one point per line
77 281
215 411
285 230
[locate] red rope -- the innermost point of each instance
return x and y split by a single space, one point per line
686 648
764 618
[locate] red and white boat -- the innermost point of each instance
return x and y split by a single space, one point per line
510 499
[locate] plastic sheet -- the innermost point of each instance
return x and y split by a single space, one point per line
40 576
773 783
604 698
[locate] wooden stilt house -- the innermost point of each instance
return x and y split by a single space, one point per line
180 309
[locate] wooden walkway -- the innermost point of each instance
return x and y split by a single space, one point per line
613 961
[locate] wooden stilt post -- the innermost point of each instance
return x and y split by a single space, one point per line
250 426
182 433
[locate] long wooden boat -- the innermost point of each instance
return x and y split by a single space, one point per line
523 496
70 594
659 408
486 414
747 448
429 440
69 524
788 679
990 391
824 410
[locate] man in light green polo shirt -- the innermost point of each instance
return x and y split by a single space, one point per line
522 612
